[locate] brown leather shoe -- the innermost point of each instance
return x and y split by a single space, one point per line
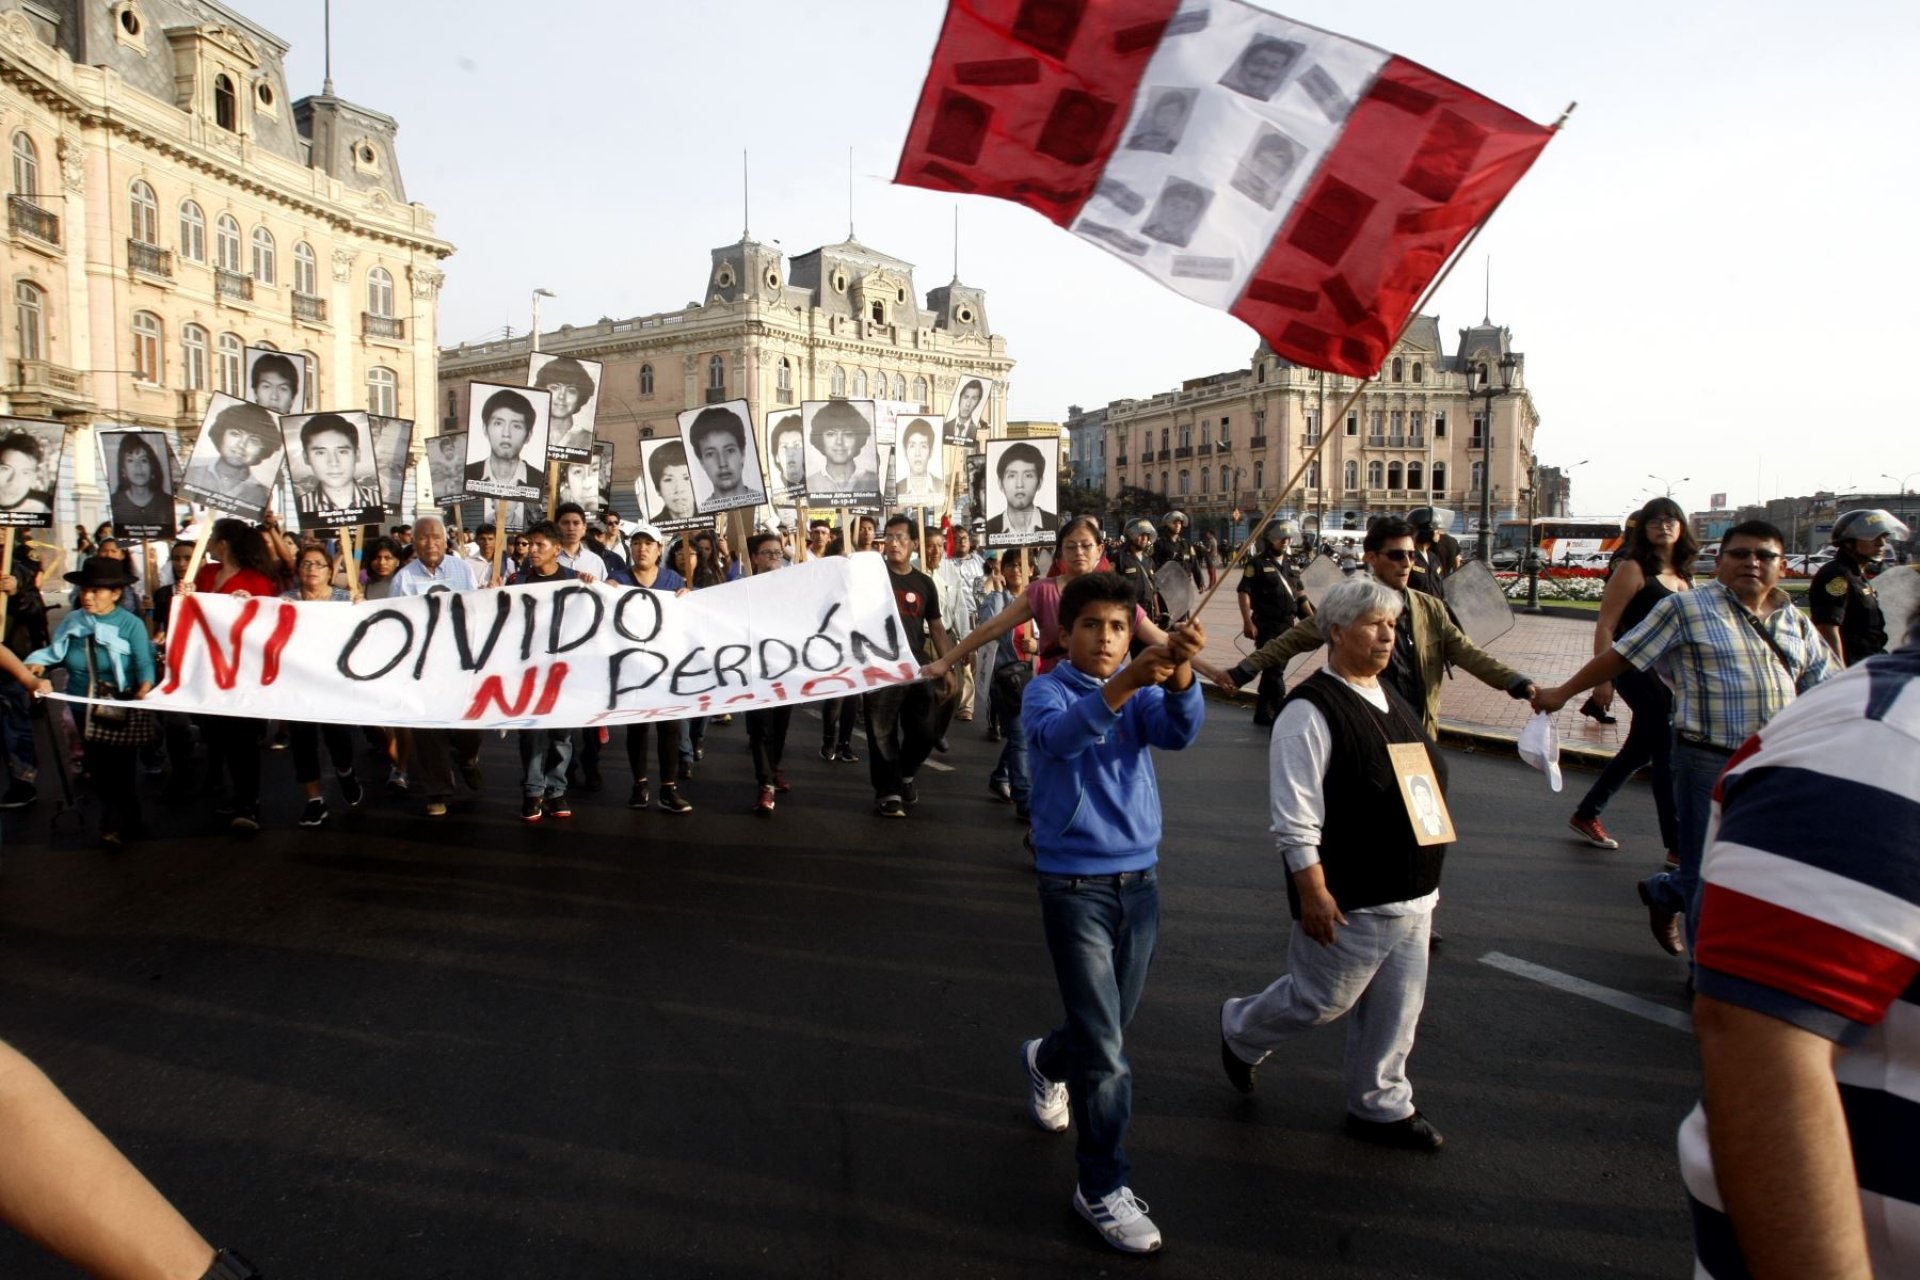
1664 923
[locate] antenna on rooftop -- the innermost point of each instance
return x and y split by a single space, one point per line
326 85
1488 317
746 199
956 241
850 235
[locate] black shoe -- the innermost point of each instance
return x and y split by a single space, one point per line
245 822
1594 711
1001 791
1240 1075
19 795
846 753
700 752
350 789
891 808
470 774
1411 1134
993 735
672 801
315 814
638 797
909 792
940 744
530 810
1665 924
592 781
559 806
826 752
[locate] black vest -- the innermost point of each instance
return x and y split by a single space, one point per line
1367 848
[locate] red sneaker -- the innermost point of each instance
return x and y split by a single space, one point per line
765 803
1592 832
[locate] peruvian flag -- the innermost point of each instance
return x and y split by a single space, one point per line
1307 183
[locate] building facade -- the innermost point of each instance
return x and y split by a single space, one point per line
1418 436
841 321
170 204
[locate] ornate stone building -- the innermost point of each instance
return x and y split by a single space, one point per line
840 321
1416 437
170 204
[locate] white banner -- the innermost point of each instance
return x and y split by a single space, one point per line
553 655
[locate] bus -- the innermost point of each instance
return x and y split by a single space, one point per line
1565 541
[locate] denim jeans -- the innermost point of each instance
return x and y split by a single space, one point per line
1012 766
1695 769
545 755
1649 742
16 731
1100 932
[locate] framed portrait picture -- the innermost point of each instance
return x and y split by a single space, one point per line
506 442
138 467
726 461
392 443
919 466
276 380
447 467
29 469
573 385
843 456
330 460
1022 492
588 480
236 459
665 486
786 473
965 410
1420 792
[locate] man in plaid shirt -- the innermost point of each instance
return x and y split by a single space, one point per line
1737 652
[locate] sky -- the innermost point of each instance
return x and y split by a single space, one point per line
1705 269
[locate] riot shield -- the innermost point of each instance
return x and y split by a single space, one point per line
1174 582
1321 577
1899 592
1479 604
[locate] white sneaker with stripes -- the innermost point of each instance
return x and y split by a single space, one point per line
1121 1218
1046 1099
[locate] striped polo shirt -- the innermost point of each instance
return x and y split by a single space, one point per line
1810 912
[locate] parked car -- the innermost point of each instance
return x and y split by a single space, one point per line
1707 561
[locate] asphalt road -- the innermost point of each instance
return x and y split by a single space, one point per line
727 1045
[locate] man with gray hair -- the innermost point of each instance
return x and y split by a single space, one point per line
1363 871
438 751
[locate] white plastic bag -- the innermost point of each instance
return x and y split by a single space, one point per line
1540 747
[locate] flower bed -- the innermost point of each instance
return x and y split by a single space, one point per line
1556 584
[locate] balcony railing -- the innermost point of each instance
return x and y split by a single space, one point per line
1184 451
37 377
28 218
1120 461
308 307
232 284
715 395
1206 447
150 258
373 326
1258 442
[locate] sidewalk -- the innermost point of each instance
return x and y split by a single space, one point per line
1544 648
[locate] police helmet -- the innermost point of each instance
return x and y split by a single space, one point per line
1137 527
1171 516
1278 531
1867 524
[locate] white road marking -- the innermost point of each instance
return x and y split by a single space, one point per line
943 768
1592 991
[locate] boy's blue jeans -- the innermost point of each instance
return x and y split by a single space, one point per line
1012 766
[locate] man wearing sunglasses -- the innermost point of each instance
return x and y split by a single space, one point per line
1738 653
1426 642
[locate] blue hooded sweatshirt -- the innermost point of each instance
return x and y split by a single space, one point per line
1096 802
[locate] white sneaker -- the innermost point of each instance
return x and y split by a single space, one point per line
1046 1099
1122 1219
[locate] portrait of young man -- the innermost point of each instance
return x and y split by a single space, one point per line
786 457
276 381
918 482
446 467
574 386
664 486
843 459
1019 494
392 442
720 443
507 442
330 458
235 459
29 463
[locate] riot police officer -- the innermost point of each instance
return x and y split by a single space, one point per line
1845 608
1271 600
1175 549
1134 562
1435 553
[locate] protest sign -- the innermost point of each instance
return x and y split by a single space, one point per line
963 413
843 456
331 460
507 442
548 655
665 486
276 380
786 457
1022 492
29 467
574 385
235 460
919 476
138 465
719 440
392 441
446 456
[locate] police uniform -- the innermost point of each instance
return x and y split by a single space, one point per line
1138 573
1170 550
1273 592
1840 596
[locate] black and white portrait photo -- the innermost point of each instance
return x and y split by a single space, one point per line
966 410
1262 67
1021 487
138 466
665 486
1163 121
446 467
587 480
392 442
29 467
1261 174
726 461
276 380
236 459
574 386
1176 214
786 457
330 460
918 481
843 457
507 442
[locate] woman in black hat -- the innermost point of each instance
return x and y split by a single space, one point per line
105 651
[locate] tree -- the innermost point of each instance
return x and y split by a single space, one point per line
1132 502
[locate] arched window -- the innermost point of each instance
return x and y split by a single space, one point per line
230 355
380 293
310 382
1183 483
266 269
1259 476
1396 479
1206 480
26 168
30 319
1166 485
226 243
1413 475
265 345
899 387
1398 369
1206 432
226 107
195 347
860 384
1480 372
1479 472
879 312
646 379
920 390
717 373
383 392
306 270
1313 475
1186 435
1353 474
837 384
1418 371
1260 371
1439 477
147 337
146 213
1375 475
783 376
193 232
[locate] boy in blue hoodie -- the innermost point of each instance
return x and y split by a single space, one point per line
1096 838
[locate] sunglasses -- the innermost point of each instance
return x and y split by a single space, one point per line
1398 557
1761 554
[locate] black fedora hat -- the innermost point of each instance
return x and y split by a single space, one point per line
99 571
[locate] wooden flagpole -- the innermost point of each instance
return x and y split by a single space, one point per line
350 541
6 570
146 606
499 540
800 532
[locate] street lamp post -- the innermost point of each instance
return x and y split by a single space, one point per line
1906 508
1507 366
1667 484
534 342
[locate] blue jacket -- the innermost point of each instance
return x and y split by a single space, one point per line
1096 802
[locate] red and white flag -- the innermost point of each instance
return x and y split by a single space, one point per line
1310 184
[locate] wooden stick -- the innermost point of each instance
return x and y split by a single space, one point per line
739 529
199 550
153 585
6 569
499 540
553 487
350 540
846 531
800 532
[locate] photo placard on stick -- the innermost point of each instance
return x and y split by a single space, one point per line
236 459
574 385
29 468
665 486
843 455
392 443
330 459
969 401
446 467
587 481
276 380
786 437
138 466
726 472
1022 492
920 480
507 442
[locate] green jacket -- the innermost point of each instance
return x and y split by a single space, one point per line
1437 644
